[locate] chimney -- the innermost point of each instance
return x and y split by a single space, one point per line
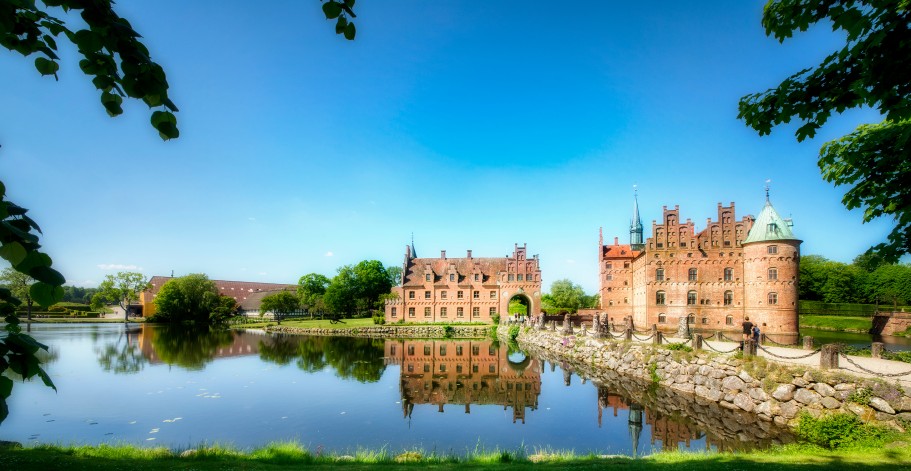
616 241
469 253
442 254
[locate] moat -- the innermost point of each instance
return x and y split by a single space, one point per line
158 386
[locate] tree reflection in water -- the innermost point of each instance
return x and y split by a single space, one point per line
352 358
189 347
123 356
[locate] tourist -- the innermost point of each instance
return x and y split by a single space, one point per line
747 330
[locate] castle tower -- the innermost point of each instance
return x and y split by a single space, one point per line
635 225
771 256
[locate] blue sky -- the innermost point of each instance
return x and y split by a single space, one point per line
473 125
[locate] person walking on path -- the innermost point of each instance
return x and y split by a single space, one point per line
747 331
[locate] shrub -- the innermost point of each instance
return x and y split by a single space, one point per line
840 431
861 396
513 332
56 308
495 318
379 320
680 347
448 331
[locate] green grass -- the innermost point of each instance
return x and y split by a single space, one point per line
291 455
327 324
836 323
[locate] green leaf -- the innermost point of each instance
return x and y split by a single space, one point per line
332 9
47 275
45 294
45 66
13 252
112 103
33 260
87 41
45 378
166 124
6 387
340 25
349 3
350 31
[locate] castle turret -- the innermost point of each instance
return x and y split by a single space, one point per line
771 256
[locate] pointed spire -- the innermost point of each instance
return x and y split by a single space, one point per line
414 253
767 190
635 225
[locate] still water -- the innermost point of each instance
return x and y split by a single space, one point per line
161 386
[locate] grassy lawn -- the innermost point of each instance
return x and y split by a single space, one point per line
327 324
293 456
837 323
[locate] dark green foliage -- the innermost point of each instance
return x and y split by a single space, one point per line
357 289
352 358
380 320
190 348
191 299
829 281
679 347
513 332
840 431
448 331
871 70
280 304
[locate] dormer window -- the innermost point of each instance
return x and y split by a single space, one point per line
427 277
772 227
452 277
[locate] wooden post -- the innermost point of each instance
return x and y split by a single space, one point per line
808 343
748 348
876 349
828 358
658 337
697 343
629 334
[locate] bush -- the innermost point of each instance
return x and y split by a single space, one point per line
680 347
379 320
448 331
840 431
513 332
57 308
495 318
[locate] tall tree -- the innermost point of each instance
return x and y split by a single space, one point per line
190 299
122 289
395 274
310 289
19 284
280 304
565 294
871 70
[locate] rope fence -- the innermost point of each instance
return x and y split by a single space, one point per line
706 344
865 370
770 353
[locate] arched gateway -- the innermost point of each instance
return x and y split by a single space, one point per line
467 289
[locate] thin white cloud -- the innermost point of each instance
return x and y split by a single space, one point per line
570 261
329 253
118 266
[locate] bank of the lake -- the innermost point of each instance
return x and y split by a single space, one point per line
894 456
836 323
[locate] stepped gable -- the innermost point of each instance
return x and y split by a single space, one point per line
489 267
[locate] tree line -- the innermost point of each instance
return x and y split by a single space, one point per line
868 279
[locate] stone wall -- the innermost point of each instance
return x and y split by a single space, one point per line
393 331
891 323
773 392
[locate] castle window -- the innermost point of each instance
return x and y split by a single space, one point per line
772 227
610 303
474 369
659 297
625 264
426 368
728 298
426 349
625 300
410 312
442 312
426 312
691 318
460 312
511 277
393 312
518 277
475 350
458 350
411 349
426 294
773 274
493 295
660 245
493 311
659 274
411 295
476 276
705 320
443 350
460 294
427 277
442 367
442 294
476 295
729 320
692 274
475 312
608 265
458 368
728 274
662 318
773 249
452 277
773 298
610 277
691 298
727 243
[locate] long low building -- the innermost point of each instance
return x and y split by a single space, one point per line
248 294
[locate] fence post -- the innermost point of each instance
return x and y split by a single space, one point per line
749 348
629 334
697 342
762 340
876 349
718 335
828 358
658 337
808 343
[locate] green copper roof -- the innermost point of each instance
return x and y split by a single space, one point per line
769 226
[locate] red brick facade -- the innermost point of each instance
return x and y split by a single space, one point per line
465 289
716 277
